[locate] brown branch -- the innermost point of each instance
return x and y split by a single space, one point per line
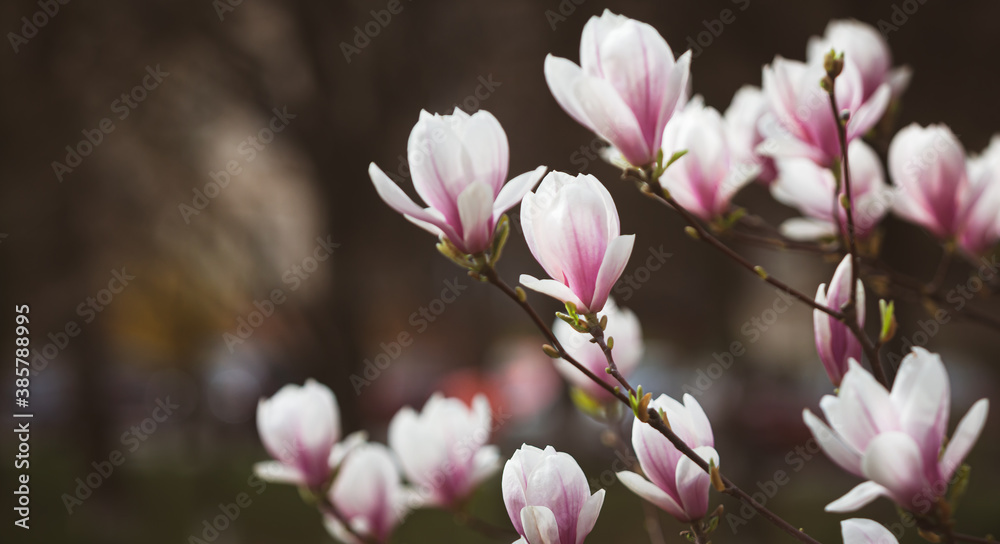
850 310
327 507
489 273
703 234
961 537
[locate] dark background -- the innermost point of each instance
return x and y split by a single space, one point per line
196 277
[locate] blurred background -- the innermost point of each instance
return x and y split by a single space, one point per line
219 237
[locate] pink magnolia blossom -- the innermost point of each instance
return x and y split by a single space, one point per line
571 227
982 231
800 122
705 179
834 341
369 494
933 189
743 118
809 188
300 428
865 531
459 165
624 327
894 438
865 48
443 449
626 86
675 483
548 497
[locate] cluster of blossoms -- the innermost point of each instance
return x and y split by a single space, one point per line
802 135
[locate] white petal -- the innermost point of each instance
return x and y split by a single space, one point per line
612 119
922 397
475 208
561 76
699 422
273 471
865 531
615 259
346 446
807 229
964 438
588 515
835 448
647 490
515 189
693 482
397 199
539 525
869 113
551 288
854 499
893 460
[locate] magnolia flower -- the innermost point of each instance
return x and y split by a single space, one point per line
894 439
834 341
865 531
801 123
369 495
571 227
300 428
743 117
809 187
443 449
982 231
705 179
548 498
459 165
676 483
624 327
865 48
933 189
626 87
